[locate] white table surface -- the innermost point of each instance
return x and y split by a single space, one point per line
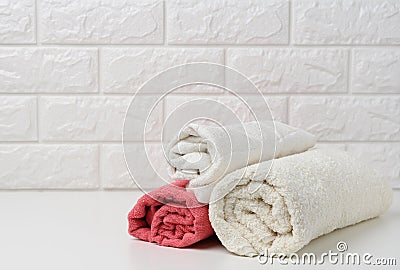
88 230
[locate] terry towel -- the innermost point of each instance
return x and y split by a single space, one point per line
170 216
304 196
204 154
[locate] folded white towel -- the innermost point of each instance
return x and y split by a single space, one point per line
304 196
205 154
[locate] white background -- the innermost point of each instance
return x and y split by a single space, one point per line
68 69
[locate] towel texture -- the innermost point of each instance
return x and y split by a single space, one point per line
205 154
170 216
303 196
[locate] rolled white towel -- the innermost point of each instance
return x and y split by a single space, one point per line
303 196
205 154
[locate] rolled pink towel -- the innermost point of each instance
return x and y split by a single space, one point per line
170 216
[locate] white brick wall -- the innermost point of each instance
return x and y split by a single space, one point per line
342 118
124 70
17 22
49 166
346 22
18 119
68 69
293 70
48 70
100 22
227 22
88 118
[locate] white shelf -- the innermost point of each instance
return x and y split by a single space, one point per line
88 230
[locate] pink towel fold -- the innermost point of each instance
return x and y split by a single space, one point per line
170 216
